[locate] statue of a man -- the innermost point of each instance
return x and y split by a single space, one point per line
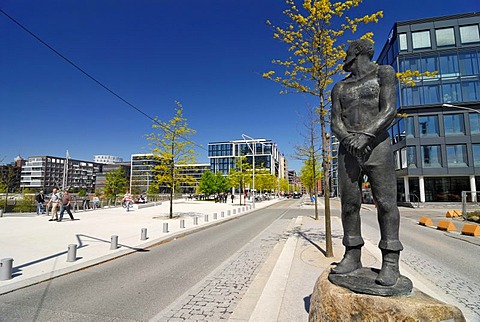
363 107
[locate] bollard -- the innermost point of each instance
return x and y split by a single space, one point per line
1 212
182 223
144 234
222 214
165 227
6 269
234 211
239 210
114 243
215 216
206 218
229 212
72 253
243 209
195 220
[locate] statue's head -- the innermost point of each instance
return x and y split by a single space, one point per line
357 48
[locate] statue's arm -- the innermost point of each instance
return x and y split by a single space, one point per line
338 128
388 111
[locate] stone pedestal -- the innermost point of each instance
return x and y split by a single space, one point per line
333 303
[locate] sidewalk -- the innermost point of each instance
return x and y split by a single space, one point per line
39 247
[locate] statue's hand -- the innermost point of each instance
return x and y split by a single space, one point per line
361 145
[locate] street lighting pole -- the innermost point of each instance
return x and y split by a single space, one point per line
244 136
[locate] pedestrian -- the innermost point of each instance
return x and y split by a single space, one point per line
127 200
233 197
54 201
66 202
40 199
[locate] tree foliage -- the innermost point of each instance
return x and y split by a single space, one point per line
315 37
116 183
171 146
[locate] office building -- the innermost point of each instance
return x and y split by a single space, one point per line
142 172
436 146
223 155
101 177
106 159
194 172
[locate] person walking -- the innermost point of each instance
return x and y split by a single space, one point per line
40 199
66 201
54 201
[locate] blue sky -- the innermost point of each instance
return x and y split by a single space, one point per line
209 55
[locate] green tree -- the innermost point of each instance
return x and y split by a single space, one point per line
171 146
116 182
207 183
241 175
309 153
315 36
222 184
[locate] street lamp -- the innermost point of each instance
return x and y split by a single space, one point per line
461 107
245 137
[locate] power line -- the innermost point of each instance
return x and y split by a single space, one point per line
97 81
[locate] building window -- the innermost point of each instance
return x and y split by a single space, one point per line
396 156
421 39
468 63
403 41
412 95
409 157
469 34
445 37
410 128
451 91
457 155
476 155
431 90
471 89
448 65
454 124
474 123
431 156
428 126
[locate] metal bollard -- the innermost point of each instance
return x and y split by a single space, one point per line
215 216
182 223
72 253
229 212
6 265
206 218
114 242
165 227
234 211
1 212
243 209
144 234
239 210
195 220
222 214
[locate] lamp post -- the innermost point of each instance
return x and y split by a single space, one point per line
245 137
461 107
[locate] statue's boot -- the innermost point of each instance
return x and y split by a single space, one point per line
350 262
390 272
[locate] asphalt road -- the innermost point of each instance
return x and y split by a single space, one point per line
138 286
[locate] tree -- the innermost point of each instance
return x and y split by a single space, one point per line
315 38
241 175
309 153
115 182
8 183
207 183
171 146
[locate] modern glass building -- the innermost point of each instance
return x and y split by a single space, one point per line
437 142
223 155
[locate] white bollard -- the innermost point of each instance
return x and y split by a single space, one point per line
229 213
182 223
206 218
6 265
165 227
144 234
222 214
114 242
72 253
195 220
215 216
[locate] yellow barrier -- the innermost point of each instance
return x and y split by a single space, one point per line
471 229
446 225
425 221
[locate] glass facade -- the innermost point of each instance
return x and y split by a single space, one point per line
431 156
428 126
457 155
453 124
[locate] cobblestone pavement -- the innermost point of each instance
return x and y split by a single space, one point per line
217 295
464 291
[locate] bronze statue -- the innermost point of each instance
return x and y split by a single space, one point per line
363 107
